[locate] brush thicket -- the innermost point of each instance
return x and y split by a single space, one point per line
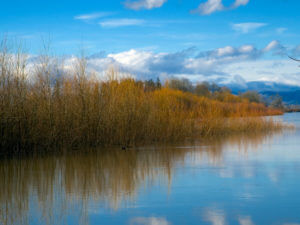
46 106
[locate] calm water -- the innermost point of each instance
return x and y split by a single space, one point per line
253 179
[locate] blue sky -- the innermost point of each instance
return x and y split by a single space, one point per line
199 39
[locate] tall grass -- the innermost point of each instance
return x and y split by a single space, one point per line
45 106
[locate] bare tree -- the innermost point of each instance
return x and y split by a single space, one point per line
297 60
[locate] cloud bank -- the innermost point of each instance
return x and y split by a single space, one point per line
188 61
222 65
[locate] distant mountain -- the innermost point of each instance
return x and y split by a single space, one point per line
289 93
288 97
262 87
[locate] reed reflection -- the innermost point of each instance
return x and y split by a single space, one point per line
51 188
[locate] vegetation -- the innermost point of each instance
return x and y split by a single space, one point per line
277 102
292 108
44 105
252 96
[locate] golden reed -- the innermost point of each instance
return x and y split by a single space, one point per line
45 106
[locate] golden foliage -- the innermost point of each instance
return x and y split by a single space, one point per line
53 108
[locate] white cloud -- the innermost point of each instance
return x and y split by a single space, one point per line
239 3
246 48
247 27
237 79
276 47
229 54
134 60
148 221
272 45
92 16
211 6
225 51
144 4
189 62
243 63
272 70
121 22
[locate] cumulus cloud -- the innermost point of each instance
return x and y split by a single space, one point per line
247 27
121 22
188 62
144 4
272 45
226 64
133 60
229 53
240 81
239 3
283 71
211 6
149 64
276 47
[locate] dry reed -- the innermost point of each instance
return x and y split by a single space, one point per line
48 107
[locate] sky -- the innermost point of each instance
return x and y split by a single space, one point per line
215 40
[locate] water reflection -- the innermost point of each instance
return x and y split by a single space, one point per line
215 217
65 189
245 220
148 221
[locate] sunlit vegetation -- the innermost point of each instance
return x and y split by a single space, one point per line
45 105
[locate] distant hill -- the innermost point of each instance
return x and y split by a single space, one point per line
289 93
288 97
262 87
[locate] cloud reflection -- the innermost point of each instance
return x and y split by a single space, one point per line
149 221
215 217
245 221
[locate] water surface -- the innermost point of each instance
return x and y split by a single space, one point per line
241 179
